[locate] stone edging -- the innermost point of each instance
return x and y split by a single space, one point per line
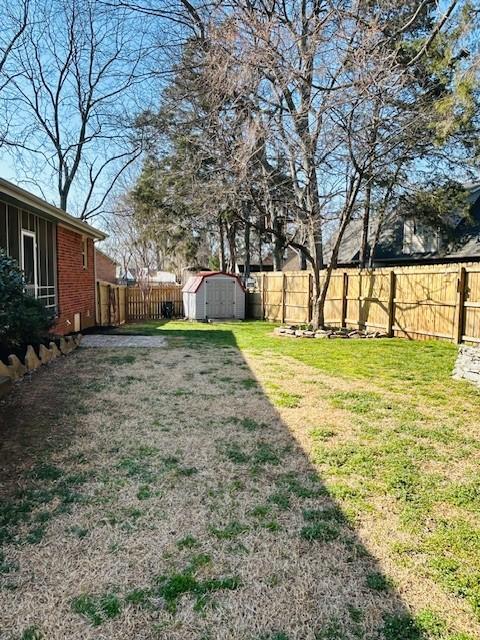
16 369
467 366
294 331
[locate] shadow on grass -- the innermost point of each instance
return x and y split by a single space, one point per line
345 597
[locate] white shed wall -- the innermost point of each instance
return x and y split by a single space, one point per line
195 306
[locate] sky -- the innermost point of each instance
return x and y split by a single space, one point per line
140 48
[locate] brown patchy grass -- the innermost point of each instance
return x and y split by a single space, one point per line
164 494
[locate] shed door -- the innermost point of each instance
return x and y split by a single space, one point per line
220 298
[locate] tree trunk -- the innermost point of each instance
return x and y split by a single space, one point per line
221 256
320 291
363 258
303 261
315 221
246 262
231 232
278 246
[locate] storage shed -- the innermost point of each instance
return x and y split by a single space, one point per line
214 294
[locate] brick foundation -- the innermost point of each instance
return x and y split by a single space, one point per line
76 285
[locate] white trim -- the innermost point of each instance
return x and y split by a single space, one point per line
33 235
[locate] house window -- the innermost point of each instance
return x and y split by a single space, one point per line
85 253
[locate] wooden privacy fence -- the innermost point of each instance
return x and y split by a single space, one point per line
419 302
117 304
150 304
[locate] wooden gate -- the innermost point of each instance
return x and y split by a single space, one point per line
111 304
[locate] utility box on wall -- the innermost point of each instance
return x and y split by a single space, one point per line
214 294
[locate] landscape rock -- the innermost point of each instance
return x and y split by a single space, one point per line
54 350
71 341
5 371
67 345
18 370
44 354
32 361
467 366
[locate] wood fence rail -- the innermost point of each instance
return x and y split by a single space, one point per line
117 304
418 302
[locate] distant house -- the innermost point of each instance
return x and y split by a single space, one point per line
256 265
409 241
152 276
56 252
106 267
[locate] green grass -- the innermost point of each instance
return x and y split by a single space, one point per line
231 530
32 633
378 582
323 524
394 360
97 609
171 587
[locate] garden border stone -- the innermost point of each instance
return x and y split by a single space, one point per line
16 369
295 331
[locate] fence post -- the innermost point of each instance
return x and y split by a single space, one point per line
309 299
284 278
263 295
343 320
391 305
460 306
97 304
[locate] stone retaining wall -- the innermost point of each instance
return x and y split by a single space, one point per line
16 369
467 366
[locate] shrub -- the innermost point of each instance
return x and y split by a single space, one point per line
23 319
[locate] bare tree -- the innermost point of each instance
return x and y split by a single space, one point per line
14 23
74 87
340 99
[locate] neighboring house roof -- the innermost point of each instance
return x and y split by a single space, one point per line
463 245
49 210
267 261
193 283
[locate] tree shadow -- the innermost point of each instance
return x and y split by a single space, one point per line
305 571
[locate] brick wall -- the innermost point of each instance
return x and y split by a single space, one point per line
76 285
106 268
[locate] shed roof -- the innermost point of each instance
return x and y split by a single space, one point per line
193 283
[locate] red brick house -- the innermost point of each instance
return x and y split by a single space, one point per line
56 252
106 267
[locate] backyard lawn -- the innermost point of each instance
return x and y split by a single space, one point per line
239 485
